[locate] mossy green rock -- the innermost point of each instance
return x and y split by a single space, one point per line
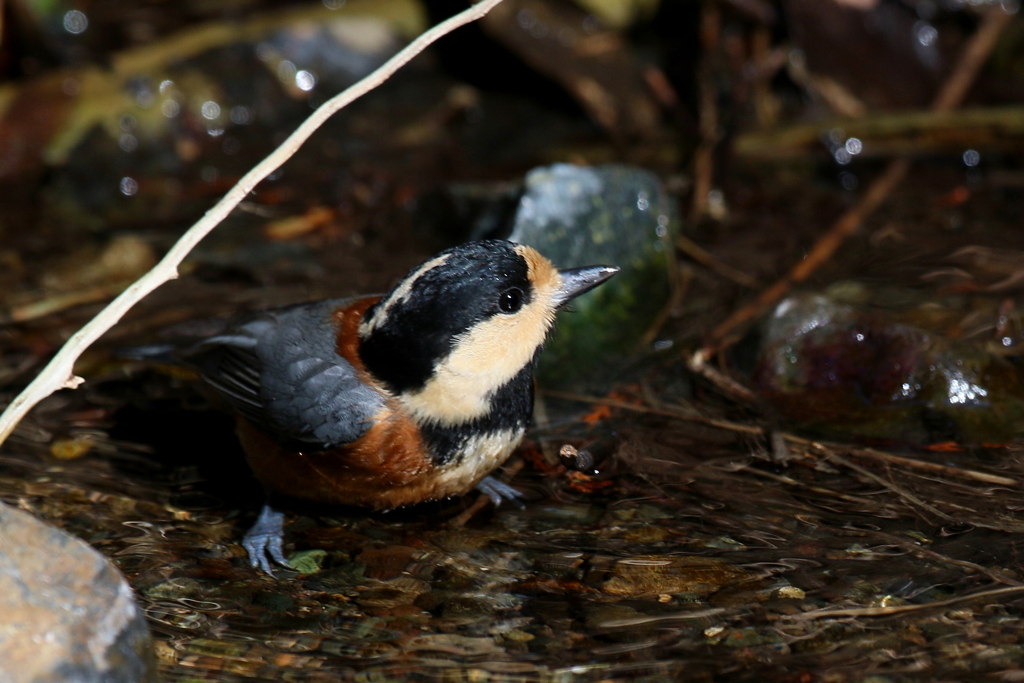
599 215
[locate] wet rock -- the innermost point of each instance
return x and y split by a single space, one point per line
584 215
386 563
649 575
843 373
67 614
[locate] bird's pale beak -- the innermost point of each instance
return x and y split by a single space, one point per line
576 281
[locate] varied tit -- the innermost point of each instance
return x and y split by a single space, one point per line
385 401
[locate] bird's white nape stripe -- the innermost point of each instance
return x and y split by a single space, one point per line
401 293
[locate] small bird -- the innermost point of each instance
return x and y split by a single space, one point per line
390 400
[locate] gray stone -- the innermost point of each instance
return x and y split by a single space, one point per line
600 215
66 613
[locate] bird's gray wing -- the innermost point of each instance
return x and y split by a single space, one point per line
281 370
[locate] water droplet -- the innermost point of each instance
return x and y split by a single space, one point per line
663 345
854 146
129 186
1007 341
265 52
286 71
210 110
925 33
641 201
240 115
716 205
145 98
305 80
170 108
75 22
165 86
128 143
971 158
841 156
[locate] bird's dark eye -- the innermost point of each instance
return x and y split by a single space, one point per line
511 300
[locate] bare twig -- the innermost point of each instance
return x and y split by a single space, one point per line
706 258
872 454
703 158
900 609
754 430
666 412
950 95
972 59
697 362
789 481
898 490
680 279
916 548
58 374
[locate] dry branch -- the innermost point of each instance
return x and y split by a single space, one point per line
58 374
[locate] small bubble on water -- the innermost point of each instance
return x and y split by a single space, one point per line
75 22
305 80
129 186
210 110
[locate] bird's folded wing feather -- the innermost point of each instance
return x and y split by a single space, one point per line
281 370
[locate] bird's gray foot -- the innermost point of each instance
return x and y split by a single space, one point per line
498 491
266 538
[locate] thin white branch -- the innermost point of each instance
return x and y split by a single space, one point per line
58 374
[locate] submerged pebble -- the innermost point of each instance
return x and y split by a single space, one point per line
840 372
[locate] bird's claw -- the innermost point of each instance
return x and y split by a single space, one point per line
266 537
499 492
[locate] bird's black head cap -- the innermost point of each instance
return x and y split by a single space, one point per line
417 324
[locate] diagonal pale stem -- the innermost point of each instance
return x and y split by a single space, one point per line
58 373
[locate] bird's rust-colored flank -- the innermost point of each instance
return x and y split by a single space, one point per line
385 468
